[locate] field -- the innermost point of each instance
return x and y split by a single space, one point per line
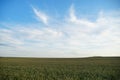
94 68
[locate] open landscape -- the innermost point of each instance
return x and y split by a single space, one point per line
93 68
59 39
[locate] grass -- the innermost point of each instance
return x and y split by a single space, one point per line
94 68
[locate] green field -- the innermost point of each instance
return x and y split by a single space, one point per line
94 68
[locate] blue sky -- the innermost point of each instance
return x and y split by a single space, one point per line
59 28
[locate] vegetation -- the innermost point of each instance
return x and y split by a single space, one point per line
94 68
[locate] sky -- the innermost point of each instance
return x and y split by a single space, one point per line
59 28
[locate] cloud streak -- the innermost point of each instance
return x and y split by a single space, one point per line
75 37
41 16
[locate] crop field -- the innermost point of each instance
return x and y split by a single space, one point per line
94 68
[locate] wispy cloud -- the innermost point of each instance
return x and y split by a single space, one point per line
72 14
41 16
73 18
8 37
40 33
75 37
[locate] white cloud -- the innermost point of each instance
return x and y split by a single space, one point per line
7 37
41 16
72 14
73 38
39 34
73 18
97 35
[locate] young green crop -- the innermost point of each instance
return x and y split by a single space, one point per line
60 69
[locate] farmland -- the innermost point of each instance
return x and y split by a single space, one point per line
94 68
